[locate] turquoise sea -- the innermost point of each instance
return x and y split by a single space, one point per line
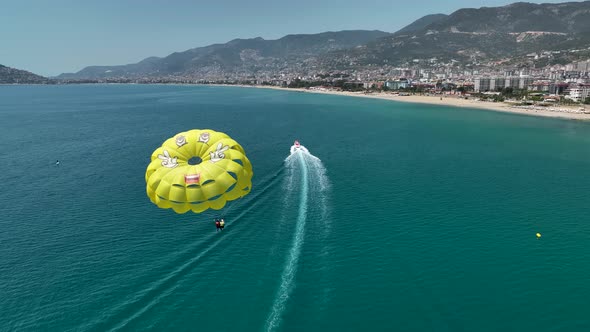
414 217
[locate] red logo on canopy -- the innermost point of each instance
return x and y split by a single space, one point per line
192 178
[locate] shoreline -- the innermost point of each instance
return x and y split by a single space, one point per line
562 112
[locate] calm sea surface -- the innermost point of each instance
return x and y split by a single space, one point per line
417 218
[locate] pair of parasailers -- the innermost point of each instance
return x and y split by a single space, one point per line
219 224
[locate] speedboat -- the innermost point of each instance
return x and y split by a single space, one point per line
297 147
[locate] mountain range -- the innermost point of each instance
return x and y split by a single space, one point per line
484 34
467 35
245 55
16 76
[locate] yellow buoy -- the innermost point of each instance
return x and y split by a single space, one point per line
538 235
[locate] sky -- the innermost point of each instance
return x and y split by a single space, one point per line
50 37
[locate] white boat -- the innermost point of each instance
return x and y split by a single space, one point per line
298 147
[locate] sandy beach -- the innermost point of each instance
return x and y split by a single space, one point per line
565 112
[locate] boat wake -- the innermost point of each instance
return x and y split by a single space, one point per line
308 171
122 315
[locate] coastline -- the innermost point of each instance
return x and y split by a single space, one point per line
563 112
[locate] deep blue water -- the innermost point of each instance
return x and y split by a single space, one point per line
417 218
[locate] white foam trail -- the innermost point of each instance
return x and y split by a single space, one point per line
319 186
288 276
162 288
296 148
320 199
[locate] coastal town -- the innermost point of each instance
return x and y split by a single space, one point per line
542 83
543 62
524 85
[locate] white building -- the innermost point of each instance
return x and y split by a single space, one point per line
583 66
497 83
481 84
579 93
524 82
511 82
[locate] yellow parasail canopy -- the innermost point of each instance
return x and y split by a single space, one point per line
197 170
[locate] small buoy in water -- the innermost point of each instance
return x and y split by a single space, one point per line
538 235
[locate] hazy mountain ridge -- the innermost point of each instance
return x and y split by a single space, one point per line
10 75
238 55
569 17
484 33
469 34
421 23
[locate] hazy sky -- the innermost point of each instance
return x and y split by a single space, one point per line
49 37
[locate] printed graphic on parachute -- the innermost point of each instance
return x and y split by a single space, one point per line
185 175
218 154
180 140
192 178
168 161
204 138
